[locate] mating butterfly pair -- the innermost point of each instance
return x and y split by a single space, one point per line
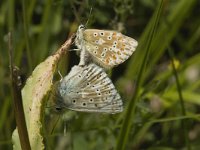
87 87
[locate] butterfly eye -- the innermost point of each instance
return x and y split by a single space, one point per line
58 108
81 27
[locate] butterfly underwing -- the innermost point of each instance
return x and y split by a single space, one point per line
106 47
88 89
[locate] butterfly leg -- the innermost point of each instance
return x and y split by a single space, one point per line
77 49
60 75
82 57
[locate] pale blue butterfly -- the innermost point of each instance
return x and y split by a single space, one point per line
88 89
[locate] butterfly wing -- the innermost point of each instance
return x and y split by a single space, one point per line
90 90
108 48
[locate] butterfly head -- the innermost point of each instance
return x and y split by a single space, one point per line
56 97
79 35
80 30
81 27
67 92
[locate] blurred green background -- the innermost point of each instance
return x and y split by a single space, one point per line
39 28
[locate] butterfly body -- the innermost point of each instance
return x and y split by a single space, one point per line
106 47
88 89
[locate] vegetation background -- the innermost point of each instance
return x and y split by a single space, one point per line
164 115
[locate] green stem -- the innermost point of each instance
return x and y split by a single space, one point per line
184 124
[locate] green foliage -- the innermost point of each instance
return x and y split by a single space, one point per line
40 27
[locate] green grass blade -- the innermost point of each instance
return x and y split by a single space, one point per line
184 123
129 114
26 37
165 33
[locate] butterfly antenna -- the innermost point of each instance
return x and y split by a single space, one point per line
88 17
60 75
52 93
55 124
55 95
50 106
65 128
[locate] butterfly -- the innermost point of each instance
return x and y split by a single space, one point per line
106 47
88 89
